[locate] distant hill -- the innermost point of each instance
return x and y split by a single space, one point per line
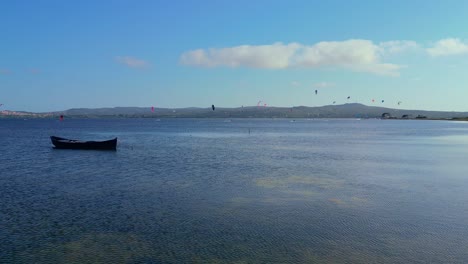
353 110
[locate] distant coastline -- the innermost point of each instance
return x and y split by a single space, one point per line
352 110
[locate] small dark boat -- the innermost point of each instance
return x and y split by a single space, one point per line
63 143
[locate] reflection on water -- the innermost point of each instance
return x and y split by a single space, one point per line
92 248
207 191
293 182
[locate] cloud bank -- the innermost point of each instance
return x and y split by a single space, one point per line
355 54
447 47
132 62
397 46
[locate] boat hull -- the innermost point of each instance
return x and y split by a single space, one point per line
63 143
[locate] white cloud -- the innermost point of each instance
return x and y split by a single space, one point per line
132 62
345 53
274 56
354 54
357 55
448 46
397 46
323 84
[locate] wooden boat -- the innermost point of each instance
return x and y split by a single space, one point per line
63 143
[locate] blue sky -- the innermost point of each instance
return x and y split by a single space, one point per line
56 55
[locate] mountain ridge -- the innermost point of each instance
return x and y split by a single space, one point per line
349 110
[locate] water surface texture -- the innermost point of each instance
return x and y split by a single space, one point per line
235 191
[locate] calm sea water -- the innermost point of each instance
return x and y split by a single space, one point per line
208 191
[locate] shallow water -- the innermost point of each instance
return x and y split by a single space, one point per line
210 191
